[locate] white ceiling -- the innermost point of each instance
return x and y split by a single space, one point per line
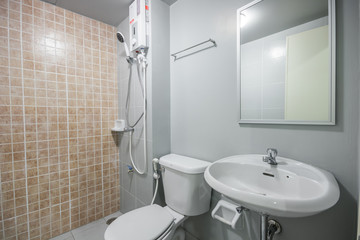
108 11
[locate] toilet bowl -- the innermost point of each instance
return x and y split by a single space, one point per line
186 194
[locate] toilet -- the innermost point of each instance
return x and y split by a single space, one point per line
186 194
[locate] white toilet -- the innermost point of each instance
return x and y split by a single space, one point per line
186 194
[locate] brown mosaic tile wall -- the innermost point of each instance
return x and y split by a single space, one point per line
58 100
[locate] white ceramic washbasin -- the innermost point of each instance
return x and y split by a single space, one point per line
289 189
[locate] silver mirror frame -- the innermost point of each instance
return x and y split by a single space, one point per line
332 62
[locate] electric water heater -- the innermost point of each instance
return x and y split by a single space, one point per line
139 25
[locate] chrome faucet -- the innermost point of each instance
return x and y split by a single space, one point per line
271 156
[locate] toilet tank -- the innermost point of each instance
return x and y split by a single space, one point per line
184 185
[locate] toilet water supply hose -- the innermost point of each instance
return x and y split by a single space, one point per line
156 176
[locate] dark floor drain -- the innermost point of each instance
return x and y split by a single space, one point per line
110 220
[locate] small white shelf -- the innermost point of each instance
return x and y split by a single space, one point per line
124 130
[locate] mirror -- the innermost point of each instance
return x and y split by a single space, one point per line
286 62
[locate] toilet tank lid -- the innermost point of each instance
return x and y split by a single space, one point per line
184 164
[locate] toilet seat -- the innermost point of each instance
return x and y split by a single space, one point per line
146 223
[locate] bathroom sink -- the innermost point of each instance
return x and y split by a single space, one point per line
288 189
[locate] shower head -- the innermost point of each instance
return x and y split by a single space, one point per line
121 39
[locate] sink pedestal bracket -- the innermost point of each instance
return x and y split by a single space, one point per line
268 228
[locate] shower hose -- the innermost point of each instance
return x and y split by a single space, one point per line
141 61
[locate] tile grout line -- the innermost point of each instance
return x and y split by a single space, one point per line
77 125
36 113
36 129
58 142
12 137
47 65
24 121
77 167
37 138
49 132
85 123
93 155
101 127
11 134
77 119
67 122
47 122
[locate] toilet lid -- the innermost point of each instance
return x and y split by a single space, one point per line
144 223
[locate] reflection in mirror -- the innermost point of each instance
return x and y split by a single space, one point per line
286 62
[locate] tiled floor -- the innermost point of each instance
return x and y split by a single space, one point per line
92 231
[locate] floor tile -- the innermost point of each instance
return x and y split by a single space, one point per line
91 231
88 226
65 236
96 232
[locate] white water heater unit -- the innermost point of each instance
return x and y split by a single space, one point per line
139 25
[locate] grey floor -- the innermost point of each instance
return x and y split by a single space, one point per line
92 231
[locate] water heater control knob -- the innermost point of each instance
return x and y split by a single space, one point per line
133 41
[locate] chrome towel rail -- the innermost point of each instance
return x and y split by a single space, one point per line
177 57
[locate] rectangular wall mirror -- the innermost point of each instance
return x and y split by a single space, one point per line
286 62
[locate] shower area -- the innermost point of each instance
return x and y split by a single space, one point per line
59 160
64 81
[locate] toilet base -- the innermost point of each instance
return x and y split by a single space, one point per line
179 234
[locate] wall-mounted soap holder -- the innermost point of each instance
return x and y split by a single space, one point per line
227 213
122 130
120 126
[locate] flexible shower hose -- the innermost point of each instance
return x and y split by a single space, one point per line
143 84
141 60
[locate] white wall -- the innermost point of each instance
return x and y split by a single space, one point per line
204 117
160 35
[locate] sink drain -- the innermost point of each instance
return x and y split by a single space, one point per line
110 220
